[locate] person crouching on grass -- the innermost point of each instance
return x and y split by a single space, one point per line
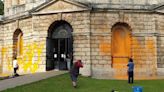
74 72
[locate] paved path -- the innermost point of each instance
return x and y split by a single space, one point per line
26 79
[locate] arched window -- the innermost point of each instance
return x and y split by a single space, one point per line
18 43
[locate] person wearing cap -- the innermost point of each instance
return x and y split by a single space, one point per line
74 72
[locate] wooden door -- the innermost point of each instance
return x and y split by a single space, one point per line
121 50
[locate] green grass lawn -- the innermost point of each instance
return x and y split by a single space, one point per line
62 83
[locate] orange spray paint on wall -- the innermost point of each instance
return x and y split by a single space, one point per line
144 56
104 46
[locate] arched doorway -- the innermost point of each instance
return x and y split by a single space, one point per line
59 44
17 43
121 48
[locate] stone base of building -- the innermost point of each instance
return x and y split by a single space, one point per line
160 72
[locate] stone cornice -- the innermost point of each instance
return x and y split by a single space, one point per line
48 3
108 7
135 34
16 17
56 12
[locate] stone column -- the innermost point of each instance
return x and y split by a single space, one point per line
82 51
81 43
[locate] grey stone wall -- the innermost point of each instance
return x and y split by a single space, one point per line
144 51
80 23
31 59
144 42
15 7
160 44
101 24
1 44
7 50
160 41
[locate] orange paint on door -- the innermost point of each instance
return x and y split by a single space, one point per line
121 49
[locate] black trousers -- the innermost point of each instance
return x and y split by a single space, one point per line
15 71
130 77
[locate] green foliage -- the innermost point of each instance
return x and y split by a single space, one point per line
62 83
1 8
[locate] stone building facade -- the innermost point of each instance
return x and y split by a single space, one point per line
103 34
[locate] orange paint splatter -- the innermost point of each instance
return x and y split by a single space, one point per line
144 56
105 48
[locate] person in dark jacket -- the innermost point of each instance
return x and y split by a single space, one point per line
74 72
130 71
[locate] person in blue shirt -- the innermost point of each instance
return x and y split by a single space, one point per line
130 71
